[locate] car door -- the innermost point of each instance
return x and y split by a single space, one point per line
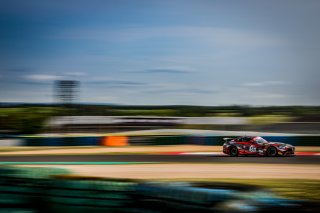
260 146
250 145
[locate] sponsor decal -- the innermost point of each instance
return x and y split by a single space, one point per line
252 148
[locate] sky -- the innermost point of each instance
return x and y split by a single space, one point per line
162 52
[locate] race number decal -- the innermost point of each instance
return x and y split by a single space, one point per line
252 149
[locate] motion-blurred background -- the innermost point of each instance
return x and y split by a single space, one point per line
131 101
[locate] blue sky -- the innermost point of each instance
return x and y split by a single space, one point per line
197 52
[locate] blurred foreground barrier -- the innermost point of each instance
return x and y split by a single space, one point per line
22 189
173 197
214 197
51 190
90 195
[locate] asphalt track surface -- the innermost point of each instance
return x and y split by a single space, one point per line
164 159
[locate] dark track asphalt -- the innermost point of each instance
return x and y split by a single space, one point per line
163 158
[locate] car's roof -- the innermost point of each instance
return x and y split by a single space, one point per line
247 136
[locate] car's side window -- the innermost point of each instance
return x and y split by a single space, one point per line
246 139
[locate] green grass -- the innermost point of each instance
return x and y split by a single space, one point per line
154 112
6 111
268 119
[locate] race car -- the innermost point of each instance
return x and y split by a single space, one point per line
254 145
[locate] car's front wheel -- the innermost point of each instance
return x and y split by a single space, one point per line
272 151
233 151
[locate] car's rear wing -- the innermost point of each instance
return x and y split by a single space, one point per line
227 139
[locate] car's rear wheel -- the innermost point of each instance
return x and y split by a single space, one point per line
233 151
272 151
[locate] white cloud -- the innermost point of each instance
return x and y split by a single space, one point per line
76 74
265 83
42 77
165 71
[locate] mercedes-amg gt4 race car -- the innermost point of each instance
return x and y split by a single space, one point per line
253 145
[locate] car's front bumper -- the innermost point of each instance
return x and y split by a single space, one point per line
287 151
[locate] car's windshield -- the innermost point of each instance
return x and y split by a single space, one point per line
260 140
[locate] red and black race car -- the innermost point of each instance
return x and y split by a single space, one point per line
253 145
